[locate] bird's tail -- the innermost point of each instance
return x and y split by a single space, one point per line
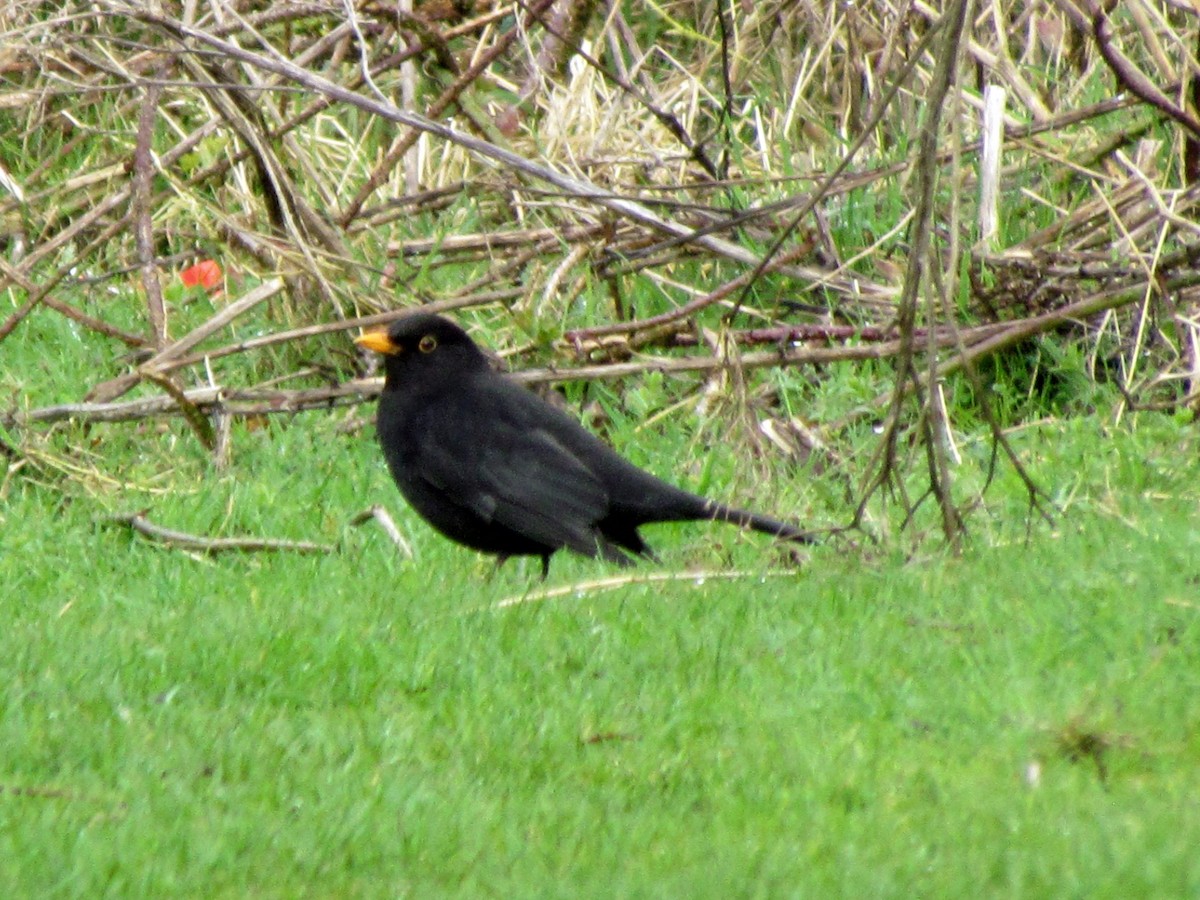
746 519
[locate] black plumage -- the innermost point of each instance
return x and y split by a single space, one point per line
492 466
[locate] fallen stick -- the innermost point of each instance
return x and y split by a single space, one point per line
184 541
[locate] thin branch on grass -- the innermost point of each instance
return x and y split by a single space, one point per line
595 586
184 541
383 518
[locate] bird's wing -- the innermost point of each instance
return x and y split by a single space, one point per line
519 477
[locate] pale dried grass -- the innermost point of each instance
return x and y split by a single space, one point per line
762 99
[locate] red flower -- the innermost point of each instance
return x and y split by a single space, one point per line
205 273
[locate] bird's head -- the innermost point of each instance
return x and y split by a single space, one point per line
423 342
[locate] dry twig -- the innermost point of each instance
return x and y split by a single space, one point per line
184 541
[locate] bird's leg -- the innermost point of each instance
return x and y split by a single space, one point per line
545 565
501 559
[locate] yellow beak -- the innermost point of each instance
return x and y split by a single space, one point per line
377 341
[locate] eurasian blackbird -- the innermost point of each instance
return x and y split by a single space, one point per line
493 466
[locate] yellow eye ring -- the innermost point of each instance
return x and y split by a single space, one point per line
427 344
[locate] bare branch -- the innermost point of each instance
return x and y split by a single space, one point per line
184 541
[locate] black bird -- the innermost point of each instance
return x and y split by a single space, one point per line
493 466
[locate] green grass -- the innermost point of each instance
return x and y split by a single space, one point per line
1021 721
885 720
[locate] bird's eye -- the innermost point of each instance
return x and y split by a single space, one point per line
427 344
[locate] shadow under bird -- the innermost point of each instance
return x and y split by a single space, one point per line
491 465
